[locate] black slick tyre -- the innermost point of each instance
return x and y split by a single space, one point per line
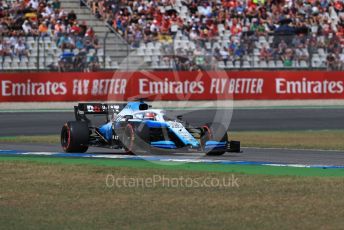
75 137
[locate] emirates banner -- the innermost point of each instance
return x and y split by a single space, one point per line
179 86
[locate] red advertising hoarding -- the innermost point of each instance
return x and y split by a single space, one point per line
171 85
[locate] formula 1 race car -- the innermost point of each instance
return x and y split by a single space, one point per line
135 127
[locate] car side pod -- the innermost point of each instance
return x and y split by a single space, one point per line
234 147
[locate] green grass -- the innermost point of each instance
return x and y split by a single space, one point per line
44 195
320 139
47 139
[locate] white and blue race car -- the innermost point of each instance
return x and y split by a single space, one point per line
136 127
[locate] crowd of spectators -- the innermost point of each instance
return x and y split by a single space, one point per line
39 19
299 27
80 62
138 20
13 47
234 28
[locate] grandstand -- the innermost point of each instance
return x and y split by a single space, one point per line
90 35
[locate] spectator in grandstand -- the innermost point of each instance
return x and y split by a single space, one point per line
287 58
94 7
168 52
13 40
282 46
65 42
43 29
33 4
137 37
91 43
264 53
178 63
79 43
204 36
27 28
239 52
59 28
5 49
236 28
66 61
193 35
93 63
75 29
217 54
333 44
20 49
71 17
83 29
199 56
80 61
56 5
6 24
90 33
147 34
257 27
301 53
47 11
331 62
232 46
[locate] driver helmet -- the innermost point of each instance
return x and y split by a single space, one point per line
149 116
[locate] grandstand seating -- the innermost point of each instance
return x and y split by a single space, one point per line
182 27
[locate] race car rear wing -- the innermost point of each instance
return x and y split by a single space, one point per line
82 109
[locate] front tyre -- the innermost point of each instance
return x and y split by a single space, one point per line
128 139
75 137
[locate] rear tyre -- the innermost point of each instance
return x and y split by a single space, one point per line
75 137
214 132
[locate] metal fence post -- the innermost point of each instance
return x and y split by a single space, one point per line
104 53
38 52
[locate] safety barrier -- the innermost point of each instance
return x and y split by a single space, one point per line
171 85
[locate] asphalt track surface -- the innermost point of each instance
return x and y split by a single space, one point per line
23 123
43 123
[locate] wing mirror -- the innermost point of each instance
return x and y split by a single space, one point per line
143 106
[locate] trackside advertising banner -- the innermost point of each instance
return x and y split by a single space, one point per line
240 85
